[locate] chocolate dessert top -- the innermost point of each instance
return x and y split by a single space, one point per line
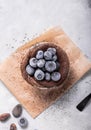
44 68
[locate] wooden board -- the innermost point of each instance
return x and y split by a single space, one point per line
35 101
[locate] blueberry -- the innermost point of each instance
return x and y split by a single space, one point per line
57 65
41 63
55 76
39 54
39 74
43 69
48 55
47 76
50 66
30 70
23 122
52 50
33 62
54 57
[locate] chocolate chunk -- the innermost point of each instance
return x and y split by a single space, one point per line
13 127
4 117
17 111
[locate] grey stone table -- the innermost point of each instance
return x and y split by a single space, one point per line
21 20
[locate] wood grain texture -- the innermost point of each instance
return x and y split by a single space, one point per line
34 100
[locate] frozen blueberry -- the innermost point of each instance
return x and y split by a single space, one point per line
23 122
54 57
33 62
39 54
30 70
41 63
47 76
43 69
48 55
52 50
55 76
57 65
50 66
39 74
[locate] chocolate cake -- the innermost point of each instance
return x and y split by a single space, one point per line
63 70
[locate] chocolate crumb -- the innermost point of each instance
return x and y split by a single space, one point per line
4 117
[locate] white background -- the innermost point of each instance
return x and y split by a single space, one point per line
22 20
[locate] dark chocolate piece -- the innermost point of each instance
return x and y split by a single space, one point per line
17 111
4 117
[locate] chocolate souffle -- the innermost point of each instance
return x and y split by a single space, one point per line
62 71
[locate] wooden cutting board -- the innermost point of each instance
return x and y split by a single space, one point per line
35 101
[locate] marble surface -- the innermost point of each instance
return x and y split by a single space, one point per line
22 20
